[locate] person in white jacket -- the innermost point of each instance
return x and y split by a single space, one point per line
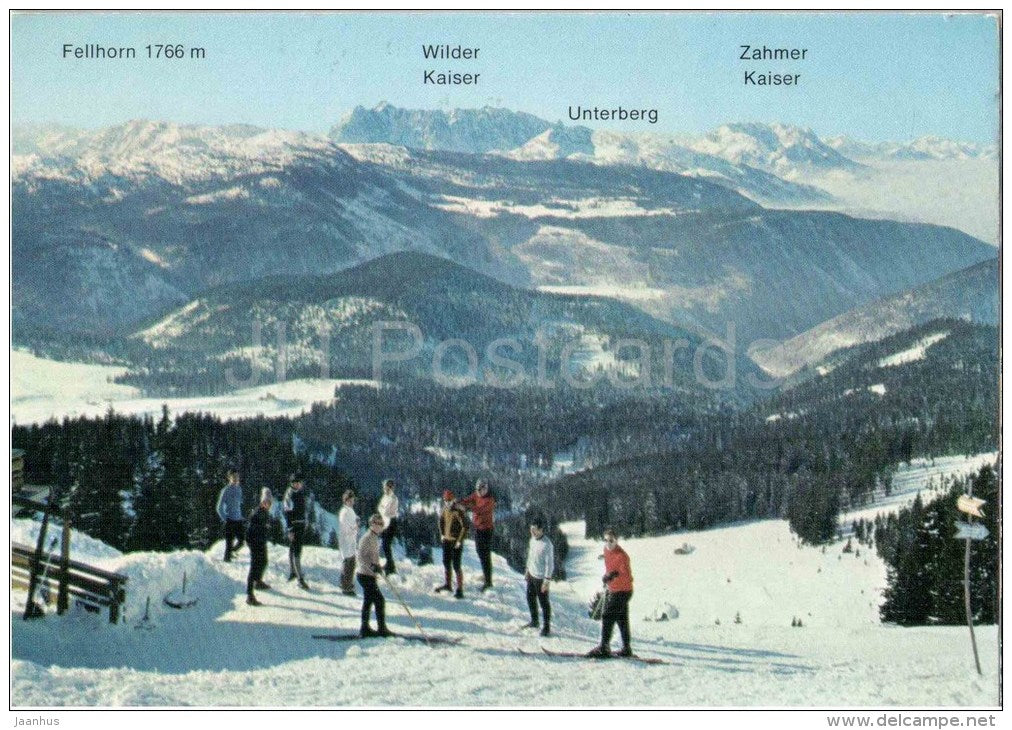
368 567
347 541
540 568
389 508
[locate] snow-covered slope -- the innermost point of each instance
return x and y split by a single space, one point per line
42 389
233 655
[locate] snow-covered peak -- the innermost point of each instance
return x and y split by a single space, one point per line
487 129
557 142
947 149
778 148
172 151
928 147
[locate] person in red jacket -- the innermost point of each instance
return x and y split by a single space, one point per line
482 505
618 582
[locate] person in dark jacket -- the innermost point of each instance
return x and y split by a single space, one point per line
230 513
618 582
295 515
482 506
256 538
452 531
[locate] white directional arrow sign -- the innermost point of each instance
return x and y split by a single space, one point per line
966 531
970 505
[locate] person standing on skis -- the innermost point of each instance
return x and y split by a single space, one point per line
389 508
540 568
618 582
482 506
294 505
256 539
452 531
368 559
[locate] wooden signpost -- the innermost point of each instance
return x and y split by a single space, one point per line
970 531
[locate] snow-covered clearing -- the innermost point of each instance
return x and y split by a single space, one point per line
222 652
912 354
920 476
42 389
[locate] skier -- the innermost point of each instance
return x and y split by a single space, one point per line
388 508
256 538
452 531
295 515
347 541
230 512
368 556
540 567
482 505
618 582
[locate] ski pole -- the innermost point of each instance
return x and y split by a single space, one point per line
401 600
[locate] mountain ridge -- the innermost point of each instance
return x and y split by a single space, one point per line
970 294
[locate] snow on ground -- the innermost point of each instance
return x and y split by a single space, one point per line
912 354
222 652
606 290
572 209
42 389
877 389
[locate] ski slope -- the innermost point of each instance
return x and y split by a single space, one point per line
223 653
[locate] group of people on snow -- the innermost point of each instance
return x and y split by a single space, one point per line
361 557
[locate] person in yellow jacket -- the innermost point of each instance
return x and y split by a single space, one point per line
452 532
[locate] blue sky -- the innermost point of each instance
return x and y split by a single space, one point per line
871 76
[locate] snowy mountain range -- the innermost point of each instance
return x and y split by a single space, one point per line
928 180
922 148
118 226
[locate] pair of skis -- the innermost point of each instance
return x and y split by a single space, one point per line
433 640
578 655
